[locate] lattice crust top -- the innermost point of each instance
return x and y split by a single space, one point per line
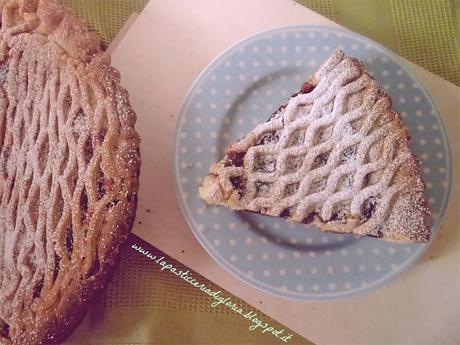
69 166
334 155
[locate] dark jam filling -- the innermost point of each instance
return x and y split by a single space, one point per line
307 87
237 183
234 159
367 210
307 220
285 213
38 289
69 239
4 330
310 218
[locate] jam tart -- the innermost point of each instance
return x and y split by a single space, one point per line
335 156
69 170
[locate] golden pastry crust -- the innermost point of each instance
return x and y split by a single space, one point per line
335 155
69 170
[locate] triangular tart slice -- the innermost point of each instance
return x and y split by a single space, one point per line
335 155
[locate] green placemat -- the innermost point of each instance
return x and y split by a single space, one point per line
424 31
155 300
105 16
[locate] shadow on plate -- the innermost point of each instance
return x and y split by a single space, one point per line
285 242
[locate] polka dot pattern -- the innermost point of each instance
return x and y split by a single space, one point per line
240 89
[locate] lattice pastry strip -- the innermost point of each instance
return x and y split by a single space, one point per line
335 155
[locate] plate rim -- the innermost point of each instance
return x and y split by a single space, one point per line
225 264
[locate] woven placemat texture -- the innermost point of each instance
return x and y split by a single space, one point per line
105 16
146 305
424 31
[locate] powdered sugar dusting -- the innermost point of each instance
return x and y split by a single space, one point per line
340 145
69 166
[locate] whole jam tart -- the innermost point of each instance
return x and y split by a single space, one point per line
69 170
335 155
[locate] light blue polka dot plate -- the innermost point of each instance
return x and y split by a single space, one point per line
241 88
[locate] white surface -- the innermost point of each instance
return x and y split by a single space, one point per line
159 58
